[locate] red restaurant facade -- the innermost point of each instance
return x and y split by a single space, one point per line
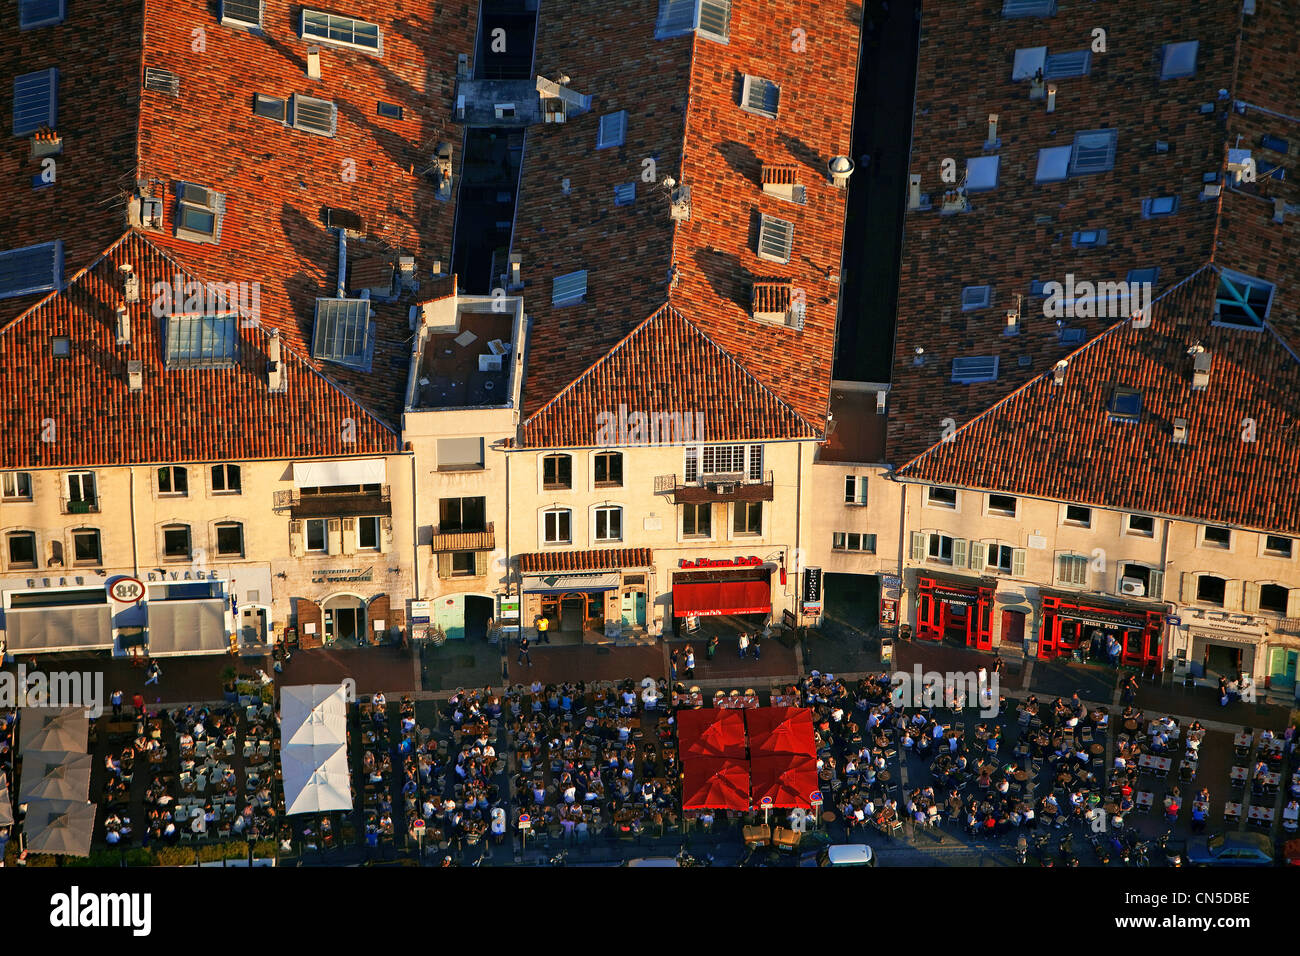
1069 621
956 608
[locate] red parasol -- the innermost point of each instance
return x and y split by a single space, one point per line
715 784
787 778
780 730
713 732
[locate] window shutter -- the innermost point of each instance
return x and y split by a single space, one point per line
1188 593
349 535
978 555
918 546
1018 562
295 539
1293 602
444 564
1156 580
1250 601
1081 565
1062 568
386 534
1231 595
959 552
480 563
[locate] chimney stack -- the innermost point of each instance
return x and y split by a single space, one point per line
1201 362
1058 372
914 191
130 283
135 375
274 368
123 326
993 132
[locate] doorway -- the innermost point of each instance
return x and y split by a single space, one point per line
478 612
633 609
345 623
253 625
1282 668
1222 661
1013 627
573 612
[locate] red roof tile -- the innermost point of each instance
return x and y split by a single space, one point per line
602 559
669 366
179 414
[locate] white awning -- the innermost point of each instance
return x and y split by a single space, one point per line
325 474
556 583
187 627
70 628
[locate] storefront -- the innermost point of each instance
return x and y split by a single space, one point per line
596 595
43 615
1220 652
959 609
707 587
1070 622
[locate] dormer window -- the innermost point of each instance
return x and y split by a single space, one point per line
1159 206
1093 151
775 239
36 101
241 13
199 212
613 130
1028 8
31 269
982 173
1125 404
974 297
341 31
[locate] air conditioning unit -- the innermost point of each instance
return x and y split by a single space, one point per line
489 363
1133 587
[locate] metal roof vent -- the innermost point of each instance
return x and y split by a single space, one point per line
1058 372
841 168
135 375
1201 363
1180 431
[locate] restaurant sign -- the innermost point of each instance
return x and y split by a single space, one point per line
419 612
749 562
954 596
343 576
126 590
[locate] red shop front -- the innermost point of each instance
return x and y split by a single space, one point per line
1069 623
961 611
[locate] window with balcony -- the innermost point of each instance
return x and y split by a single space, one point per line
608 469
85 546
317 535
226 480
176 542
368 533
16 486
747 517
557 526
173 481
697 520
461 514
609 524
230 539
21 549
1211 590
557 472
82 497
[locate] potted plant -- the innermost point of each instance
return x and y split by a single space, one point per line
229 685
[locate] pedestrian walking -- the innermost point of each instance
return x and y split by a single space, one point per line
138 703
756 645
712 648
116 701
744 644
523 651
690 661
672 665
543 629
152 674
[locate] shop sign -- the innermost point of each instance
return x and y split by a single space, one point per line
1173 621
55 582
126 591
343 576
510 608
749 562
419 612
954 596
812 587
892 581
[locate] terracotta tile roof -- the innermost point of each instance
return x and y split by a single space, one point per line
1061 442
602 559
682 97
179 414
1025 434
1022 231
277 181
666 365
98 115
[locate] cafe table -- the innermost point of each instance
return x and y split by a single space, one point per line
1145 798
1232 811
1239 774
1242 740
1130 725
1260 816
1096 749
1270 779
1158 764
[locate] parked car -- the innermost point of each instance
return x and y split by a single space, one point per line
841 854
1230 849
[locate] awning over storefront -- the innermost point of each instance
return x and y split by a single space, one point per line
708 598
187 627
70 628
562 583
328 474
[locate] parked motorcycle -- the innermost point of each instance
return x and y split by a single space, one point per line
1040 848
1022 849
1100 849
1065 848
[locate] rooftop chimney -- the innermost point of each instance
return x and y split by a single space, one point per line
123 326
130 283
1180 431
1201 362
993 142
514 282
135 375
841 168
1058 372
882 397
274 369
313 63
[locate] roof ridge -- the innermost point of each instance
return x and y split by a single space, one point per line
1037 378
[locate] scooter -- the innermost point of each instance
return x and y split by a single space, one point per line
1065 848
1099 848
1040 847
1022 849
1140 854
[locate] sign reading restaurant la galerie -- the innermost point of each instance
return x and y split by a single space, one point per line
749 562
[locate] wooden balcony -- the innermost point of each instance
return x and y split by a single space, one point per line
707 488
482 540
334 506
